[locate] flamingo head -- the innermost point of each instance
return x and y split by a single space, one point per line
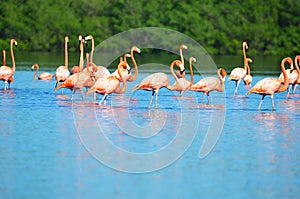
192 59
290 62
66 38
89 37
125 66
179 64
182 46
34 66
223 74
135 49
245 45
126 55
249 60
13 41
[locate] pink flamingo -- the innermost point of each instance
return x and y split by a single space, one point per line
77 69
42 76
248 78
237 74
6 72
183 84
269 86
101 70
156 81
11 79
180 74
62 72
110 83
292 77
209 84
78 80
297 59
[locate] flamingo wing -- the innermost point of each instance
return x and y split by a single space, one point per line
206 85
266 86
237 74
6 73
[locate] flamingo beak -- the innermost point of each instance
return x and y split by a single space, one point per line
182 69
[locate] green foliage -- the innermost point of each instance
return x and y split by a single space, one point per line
271 27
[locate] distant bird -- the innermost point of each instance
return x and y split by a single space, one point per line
292 75
209 84
110 83
79 80
178 73
248 78
101 70
269 86
297 59
183 84
156 81
237 74
77 69
42 76
62 72
6 73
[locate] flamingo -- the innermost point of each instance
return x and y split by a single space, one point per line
6 72
269 86
183 83
110 83
42 76
180 74
11 79
237 74
292 76
78 80
297 59
77 69
101 70
248 78
62 72
209 84
156 81
129 77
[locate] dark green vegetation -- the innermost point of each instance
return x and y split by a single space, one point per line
271 27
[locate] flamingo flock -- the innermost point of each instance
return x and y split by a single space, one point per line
98 80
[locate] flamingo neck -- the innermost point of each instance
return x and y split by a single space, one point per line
244 55
12 57
297 66
36 71
3 58
93 48
66 54
122 79
221 81
285 76
81 56
248 67
191 72
172 71
134 65
181 56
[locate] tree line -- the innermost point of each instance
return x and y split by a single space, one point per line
271 27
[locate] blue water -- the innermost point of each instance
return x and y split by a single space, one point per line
43 153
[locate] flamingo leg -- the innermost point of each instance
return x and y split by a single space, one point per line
261 101
208 98
156 98
288 90
204 94
237 83
82 98
272 97
295 87
103 98
151 99
5 85
73 93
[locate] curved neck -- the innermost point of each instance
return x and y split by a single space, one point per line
134 65
121 77
248 68
286 79
191 71
12 56
220 89
3 58
36 71
66 54
172 71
